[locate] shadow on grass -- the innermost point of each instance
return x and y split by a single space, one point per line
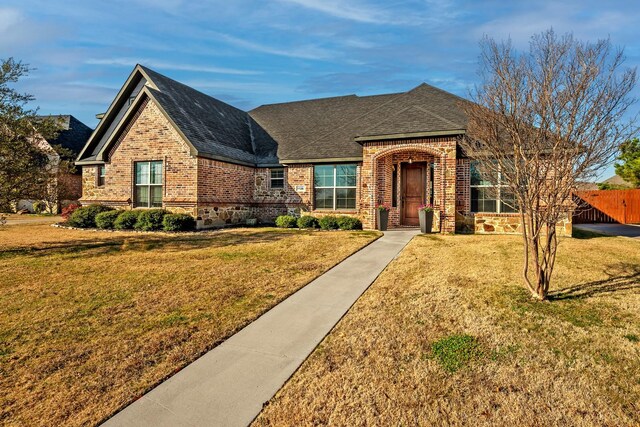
622 277
585 234
141 242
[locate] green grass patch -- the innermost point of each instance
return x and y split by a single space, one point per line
455 351
632 337
584 234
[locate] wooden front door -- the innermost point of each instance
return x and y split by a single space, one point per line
413 191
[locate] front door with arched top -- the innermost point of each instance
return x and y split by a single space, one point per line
414 182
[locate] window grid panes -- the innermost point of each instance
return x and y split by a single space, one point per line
276 177
148 184
101 175
335 186
487 197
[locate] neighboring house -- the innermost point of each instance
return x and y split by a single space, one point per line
616 181
164 144
72 136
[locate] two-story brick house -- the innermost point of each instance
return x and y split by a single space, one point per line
164 144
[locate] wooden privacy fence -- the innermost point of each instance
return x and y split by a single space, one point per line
621 206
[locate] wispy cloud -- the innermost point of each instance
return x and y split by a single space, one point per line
347 10
303 52
130 62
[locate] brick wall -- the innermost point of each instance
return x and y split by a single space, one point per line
149 136
376 176
219 193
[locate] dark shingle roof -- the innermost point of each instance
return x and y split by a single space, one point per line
73 133
212 126
317 129
327 128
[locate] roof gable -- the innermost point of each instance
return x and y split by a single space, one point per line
211 127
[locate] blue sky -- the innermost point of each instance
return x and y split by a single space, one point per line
249 53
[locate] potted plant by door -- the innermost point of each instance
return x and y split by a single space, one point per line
383 217
425 213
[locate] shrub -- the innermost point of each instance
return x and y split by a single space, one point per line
455 351
286 221
178 222
39 207
349 223
150 220
307 221
68 210
106 219
126 220
85 217
329 222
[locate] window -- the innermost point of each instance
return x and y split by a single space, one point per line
148 188
102 171
276 178
489 197
335 186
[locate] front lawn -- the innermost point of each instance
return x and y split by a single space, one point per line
89 320
447 335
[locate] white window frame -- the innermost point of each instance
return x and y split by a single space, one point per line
335 186
271 178
136 203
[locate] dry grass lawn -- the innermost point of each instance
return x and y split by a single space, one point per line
448 336
90 320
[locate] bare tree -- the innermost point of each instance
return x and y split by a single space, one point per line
541 122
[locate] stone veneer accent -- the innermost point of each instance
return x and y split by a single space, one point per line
493 223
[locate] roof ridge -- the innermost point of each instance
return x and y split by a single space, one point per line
394 98
305 100
147 69
430 86
428 111
251 136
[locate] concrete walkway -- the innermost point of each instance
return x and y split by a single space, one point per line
624 230
228 385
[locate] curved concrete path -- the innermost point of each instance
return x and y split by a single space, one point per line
229 384
623 230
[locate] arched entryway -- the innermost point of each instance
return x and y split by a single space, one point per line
407 174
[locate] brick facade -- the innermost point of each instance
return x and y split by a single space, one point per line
379 159
216 193
219 193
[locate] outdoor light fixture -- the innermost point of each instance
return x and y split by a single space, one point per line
410 160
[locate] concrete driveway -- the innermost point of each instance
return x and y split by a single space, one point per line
31 219
625 230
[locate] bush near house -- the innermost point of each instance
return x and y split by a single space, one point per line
126 220
308 221
150 220
85 217
106 219
349 223
39 207
178 222
68 210
286 221
329 222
